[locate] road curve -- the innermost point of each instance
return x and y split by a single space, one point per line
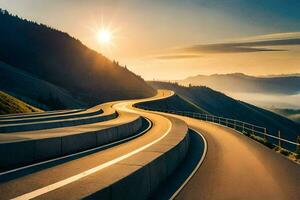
236 167
107 165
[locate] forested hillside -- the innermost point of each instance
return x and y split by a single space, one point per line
62 60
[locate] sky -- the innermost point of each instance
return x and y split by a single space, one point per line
174 39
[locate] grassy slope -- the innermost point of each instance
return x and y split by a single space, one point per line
10 105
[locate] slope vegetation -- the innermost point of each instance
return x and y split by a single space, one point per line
10 105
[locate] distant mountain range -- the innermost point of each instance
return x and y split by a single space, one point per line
293 114
281 75
219 104
45 66
238 82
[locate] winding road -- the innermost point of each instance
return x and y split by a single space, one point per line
233 167
236 167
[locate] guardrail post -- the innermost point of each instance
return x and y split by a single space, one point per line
219 120
279 141
226 122
298 146
265 133
243 127
234 124
253 130
205 117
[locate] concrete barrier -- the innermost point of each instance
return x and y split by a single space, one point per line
48 118
9 128
46 149
134 186
38 114
138 176
19 153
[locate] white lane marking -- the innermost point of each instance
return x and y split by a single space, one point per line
123 106
75 154
78 153
76 177
196 168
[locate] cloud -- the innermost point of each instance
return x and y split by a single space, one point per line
273 36
224 48
262 43
241 47
177 56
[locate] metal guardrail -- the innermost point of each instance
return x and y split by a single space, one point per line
240 126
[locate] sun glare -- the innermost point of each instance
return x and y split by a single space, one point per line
104 36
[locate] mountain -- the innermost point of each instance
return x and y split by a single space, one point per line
10 105
282 75
65 63
173 103
238 82
219 104
293 114
35 91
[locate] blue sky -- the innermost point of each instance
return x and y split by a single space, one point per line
276 15
146 30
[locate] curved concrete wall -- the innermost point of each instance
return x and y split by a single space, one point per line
138 176
147 169
38 114
56 123
153 173
14 154
51 117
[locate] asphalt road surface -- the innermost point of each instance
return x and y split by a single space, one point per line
235 167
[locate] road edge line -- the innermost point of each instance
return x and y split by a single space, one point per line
99 148
66 181
196 168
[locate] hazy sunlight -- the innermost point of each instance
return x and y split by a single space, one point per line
104 36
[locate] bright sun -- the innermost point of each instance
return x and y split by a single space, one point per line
104 36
